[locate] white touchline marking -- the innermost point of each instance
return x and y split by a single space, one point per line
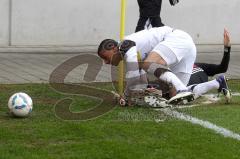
187 106
235 94
206 124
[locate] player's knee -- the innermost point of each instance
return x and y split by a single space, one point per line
157 69
145 66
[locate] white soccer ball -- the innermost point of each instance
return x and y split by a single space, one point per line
20 104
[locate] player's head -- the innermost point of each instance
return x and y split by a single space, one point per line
108 51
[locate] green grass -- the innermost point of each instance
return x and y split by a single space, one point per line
122 133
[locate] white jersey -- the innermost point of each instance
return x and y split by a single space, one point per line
176 41
146 40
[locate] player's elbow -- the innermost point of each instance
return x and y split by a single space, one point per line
224 69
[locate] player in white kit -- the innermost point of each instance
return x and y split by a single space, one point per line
167 53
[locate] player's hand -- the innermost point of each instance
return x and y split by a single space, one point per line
226 38
121 100
173 2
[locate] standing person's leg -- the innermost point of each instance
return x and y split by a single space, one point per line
156 21
141 23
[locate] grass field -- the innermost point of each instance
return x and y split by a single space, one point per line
122 133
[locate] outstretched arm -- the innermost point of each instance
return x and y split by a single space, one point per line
227 49
213 69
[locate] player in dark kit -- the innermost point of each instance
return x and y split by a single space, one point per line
198 82
201 71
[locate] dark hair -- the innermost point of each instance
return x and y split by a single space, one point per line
107 44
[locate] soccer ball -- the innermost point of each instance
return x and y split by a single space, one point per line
20 104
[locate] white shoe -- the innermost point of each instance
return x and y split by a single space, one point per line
182 97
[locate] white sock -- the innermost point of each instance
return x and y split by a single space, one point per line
203 88
169 77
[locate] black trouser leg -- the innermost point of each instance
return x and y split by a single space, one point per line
156 21
141 23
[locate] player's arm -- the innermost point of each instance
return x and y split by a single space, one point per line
226 55
133 75
128 50
213 69
141 3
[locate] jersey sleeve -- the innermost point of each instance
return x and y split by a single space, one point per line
128 50
134 75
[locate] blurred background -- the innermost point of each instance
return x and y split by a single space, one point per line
81 23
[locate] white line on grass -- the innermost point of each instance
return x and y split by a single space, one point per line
187 106
206 124
235 94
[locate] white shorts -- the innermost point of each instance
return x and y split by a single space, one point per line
179 52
